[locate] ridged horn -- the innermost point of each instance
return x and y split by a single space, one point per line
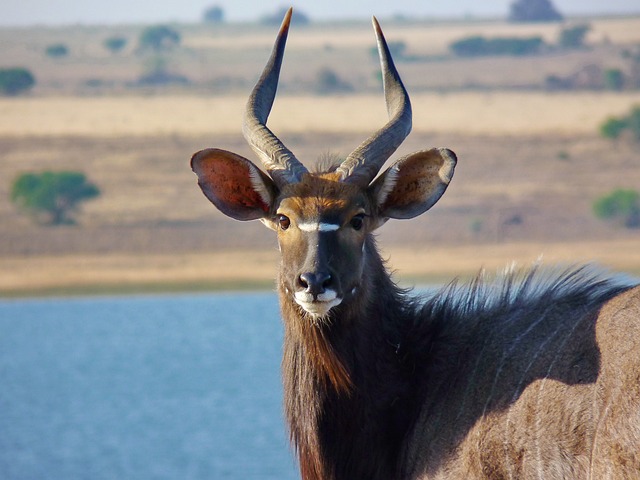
278 160
364 163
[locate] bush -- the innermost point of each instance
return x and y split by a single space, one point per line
614 127
573 37
51 197
481 46
158 38
533 11
633 122
57 50
620 204
298 17
158 74
613 79
115 44
15 80
214 14
328 81
162 78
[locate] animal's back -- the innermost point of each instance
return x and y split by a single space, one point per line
547 391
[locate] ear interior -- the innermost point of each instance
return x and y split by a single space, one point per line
233 184
414 183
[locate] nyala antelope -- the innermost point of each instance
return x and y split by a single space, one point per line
533 375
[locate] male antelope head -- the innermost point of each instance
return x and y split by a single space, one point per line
324 220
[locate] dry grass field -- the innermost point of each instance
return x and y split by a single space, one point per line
470 113
531 163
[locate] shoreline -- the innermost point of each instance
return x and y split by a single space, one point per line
243 270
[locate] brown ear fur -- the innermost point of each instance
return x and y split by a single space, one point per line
414 183
233 184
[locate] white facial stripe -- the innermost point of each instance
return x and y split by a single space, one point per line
318 227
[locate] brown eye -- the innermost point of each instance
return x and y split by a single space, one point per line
284 222
357 221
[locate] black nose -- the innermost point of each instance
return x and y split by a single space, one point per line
315 283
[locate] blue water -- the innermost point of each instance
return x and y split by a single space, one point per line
163 387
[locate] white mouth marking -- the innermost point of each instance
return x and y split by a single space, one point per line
319 306
318 227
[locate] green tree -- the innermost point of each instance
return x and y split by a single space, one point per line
573 37
613 127
57 50
157 73
328 81
115 44
480 46
619 204
613 79
158 38
214 14
633 122
297 18
533 11
15 80
52 196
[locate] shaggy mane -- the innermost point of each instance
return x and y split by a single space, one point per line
525 287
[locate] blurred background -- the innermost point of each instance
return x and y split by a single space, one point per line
539 99
102 105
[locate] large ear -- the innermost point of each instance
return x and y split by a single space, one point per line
233 184
414 183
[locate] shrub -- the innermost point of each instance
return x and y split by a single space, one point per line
57 50
619 204
15 80
115 44
214 14
613 79
614 126
158 38
328 81
298 17
633 122
52 196
533 11
157 73
573 37
481 46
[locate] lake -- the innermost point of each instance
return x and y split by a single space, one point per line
150 387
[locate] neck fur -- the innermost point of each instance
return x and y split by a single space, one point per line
330 384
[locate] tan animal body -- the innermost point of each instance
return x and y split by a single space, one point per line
532 376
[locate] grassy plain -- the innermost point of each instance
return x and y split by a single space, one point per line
531 162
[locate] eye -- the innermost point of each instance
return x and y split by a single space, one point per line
284 222
357 221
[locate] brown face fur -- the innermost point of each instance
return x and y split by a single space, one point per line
322 224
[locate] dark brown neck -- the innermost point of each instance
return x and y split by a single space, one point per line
345 381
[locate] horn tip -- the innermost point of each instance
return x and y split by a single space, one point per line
287 18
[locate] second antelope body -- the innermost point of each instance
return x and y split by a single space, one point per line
535 375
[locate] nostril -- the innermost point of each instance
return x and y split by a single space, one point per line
314 283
